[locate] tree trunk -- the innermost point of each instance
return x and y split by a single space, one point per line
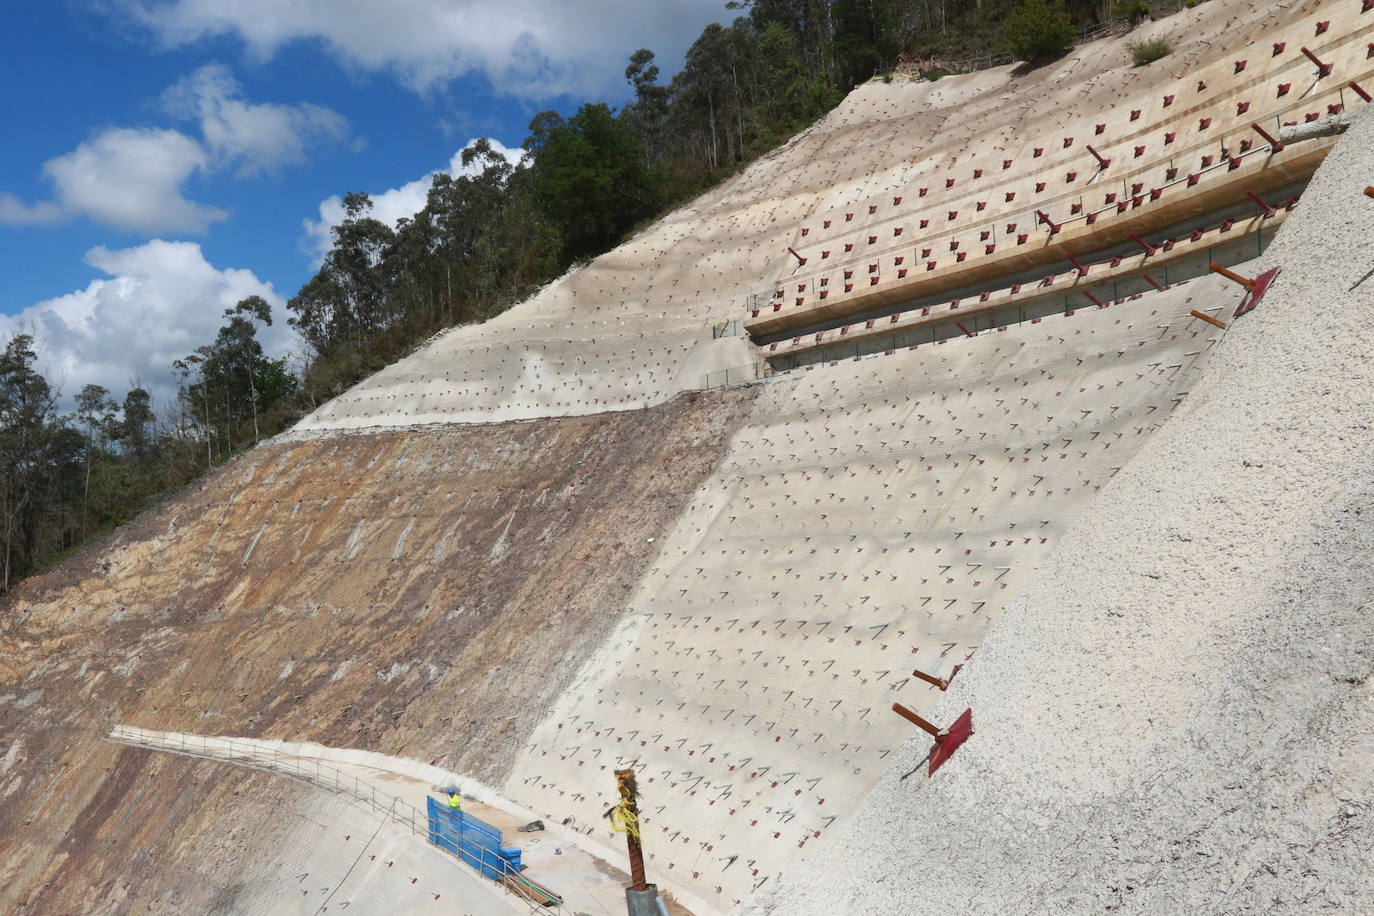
739 110
209 430
8 529
86 496
228 419
711 114
253 393
13 507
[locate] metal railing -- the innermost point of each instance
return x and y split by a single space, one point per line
735 326
726 378
317 773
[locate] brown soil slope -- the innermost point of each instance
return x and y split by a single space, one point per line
425 593
108 829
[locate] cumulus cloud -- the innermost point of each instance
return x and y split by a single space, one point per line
14 212
134 179
160 301
395 204
254 137
530 48
131 178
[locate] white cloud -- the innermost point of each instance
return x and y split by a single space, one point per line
256 138
133 179
14 212
530 48
394 204
161 301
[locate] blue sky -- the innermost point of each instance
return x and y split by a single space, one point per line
164 158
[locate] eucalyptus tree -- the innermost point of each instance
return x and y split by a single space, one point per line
347 300
27 422
462 213
95 411
869 34
192 386
237 351
647 115
809 22
592 176
134 430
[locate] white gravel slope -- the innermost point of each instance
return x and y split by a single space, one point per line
1175 714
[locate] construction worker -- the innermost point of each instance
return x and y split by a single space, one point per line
454 802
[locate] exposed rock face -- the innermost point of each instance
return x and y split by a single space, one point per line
423 592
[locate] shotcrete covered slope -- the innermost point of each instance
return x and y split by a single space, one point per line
635 326
432 593
1175 715
871 516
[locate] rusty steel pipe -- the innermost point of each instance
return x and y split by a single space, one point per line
1043 217
1322 69
636 850
937 733
1208 318
1082 271
1360 92
1233 276
1149 249
941 682
1268 210
795 255
1102 161
1274 143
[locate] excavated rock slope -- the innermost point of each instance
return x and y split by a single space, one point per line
420 593
525 555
